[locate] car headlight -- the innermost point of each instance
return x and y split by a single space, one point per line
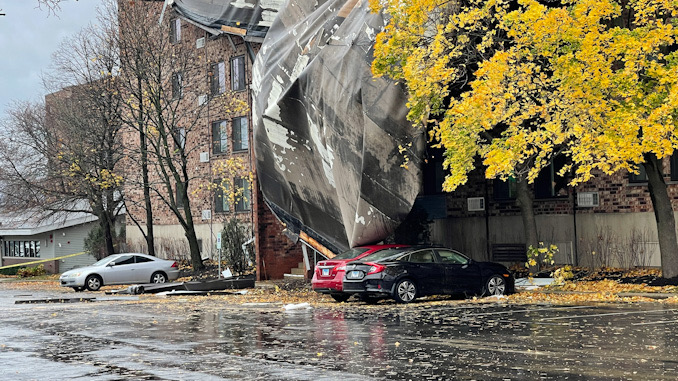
74 275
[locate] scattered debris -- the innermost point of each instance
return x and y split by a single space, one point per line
56 300
296 307
532 283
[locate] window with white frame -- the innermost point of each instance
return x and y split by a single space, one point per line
219 137
240 134
238 73
217 78
222 200
244 200
177 85
29 249
180 137
175 30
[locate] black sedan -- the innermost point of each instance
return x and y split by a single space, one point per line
407 273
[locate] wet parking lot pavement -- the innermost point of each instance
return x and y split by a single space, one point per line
204 338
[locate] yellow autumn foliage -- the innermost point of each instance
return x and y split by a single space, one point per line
594 80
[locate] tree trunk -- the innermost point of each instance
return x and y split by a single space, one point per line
526 204
196 257
150 240
663 214
107 226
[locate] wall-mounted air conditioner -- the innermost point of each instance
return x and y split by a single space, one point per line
206 214
588 199
199 43
476 204
204 157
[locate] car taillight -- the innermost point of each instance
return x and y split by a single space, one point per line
174 265
376 268
340 268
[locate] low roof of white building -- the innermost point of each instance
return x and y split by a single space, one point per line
27 224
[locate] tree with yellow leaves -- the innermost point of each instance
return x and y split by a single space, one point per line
516 83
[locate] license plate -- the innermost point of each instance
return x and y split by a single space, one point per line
326 272
355 274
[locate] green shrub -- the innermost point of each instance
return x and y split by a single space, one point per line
233 237
26 272
9 271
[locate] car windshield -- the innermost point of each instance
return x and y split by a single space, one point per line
382 254
352 253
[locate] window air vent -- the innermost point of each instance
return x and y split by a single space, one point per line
588 199
199 43
476 204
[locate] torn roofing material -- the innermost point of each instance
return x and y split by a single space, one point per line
252 17
330 139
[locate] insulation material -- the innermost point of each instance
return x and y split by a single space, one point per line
330 140
251 17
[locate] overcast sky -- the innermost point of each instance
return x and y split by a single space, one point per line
28 36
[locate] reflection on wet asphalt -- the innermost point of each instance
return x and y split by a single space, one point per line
184 340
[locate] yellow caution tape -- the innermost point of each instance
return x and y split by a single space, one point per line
42 260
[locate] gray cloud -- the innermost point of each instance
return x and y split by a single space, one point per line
28 37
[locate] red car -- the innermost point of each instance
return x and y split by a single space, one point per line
329 274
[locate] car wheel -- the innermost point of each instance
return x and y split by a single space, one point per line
495 285
93 283
158 277
405 291
340 297
78 289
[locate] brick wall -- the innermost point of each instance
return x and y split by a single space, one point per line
276 254
616 194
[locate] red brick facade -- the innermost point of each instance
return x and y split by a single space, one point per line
616 195
276 254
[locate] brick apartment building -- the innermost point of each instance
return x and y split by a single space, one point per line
225 61
607 221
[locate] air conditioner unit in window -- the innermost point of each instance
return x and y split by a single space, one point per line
202 99
204 157
206 214
475 204
199 43
588 199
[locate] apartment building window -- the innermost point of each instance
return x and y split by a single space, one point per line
221 196
244 201
674 166
549 184
30 249
175 30
641 176
240 134
238 73
178 197
180 137
217 78
177 85
504 190
219 137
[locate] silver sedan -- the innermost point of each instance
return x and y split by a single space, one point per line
126 268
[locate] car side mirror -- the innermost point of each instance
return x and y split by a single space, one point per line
110 264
